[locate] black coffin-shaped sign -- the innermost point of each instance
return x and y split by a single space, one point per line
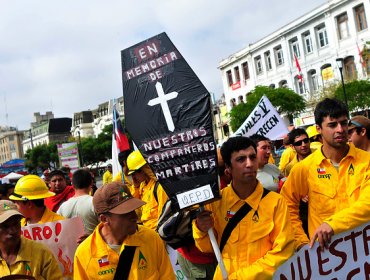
168 115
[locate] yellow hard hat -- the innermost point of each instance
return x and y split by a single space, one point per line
135 161
30 187
312 131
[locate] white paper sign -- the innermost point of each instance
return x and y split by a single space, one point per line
263 120
194 196
61 238
348 257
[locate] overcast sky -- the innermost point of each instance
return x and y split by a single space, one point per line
64 56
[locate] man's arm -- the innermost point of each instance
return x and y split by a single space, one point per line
294 189
201 224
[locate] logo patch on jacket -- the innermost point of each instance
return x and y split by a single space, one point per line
321 171
103 262
230 214
322 174
142 261
351 170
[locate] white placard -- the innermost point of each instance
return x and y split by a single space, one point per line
263 120
348 257
194 196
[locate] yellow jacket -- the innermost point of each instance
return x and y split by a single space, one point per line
107 177
260 242
94 259
135 192
286 157
152 209
33 259
48 216
338 198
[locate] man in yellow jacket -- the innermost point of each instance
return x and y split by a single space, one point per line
336 179
150 190
97 257
263 239
19 255
29 195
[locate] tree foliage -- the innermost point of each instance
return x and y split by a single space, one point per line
41 157
97 149
357 93
285 100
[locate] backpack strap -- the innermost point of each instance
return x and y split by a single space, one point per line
155 191
124 263
238 216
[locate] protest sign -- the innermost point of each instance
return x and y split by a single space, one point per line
348 257
60 237
263 120
168 115
68 155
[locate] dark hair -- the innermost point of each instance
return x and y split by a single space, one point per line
38 202
234 144
81 179
358 130
296 132
257 138
331 107
57 172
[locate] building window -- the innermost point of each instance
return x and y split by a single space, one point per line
279 55
268 61
349 70
283 84
229 78
342 26
232 102
240 98
237 75
245 71
299 85
322 36
295 47
360 17
307 43
313 81
258 62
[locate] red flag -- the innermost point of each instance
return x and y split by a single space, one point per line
118 133
300 76
360 54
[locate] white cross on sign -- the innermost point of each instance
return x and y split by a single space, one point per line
162 100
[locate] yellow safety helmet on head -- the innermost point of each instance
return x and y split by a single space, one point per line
30 187
135 161
312 131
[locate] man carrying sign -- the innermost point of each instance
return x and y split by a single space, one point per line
263 238
336 179
19 255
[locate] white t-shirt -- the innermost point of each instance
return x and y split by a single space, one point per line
81 206
269 177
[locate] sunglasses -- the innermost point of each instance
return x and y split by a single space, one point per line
299 143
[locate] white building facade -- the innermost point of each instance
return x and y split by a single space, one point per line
337 29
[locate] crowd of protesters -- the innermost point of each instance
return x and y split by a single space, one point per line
321 188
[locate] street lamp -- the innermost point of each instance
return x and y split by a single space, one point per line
80 148
340 63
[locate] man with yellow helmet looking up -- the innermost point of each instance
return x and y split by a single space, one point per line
29 194
150 190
